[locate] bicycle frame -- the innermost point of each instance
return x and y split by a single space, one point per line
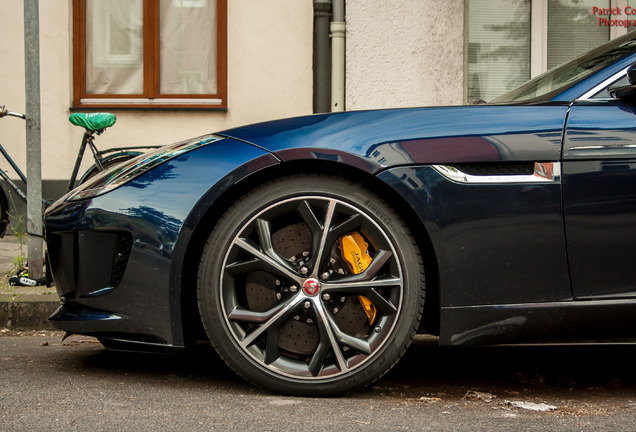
17 170
99 156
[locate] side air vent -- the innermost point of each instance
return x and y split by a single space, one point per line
102 258
496 169
123 246
497 173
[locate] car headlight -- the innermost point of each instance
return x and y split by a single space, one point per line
122 174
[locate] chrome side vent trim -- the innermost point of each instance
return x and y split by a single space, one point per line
544 172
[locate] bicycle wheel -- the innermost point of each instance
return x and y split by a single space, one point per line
4 212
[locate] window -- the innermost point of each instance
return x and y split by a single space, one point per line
510 41
150 53
498 47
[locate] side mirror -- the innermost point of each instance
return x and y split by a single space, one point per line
631 74
628 91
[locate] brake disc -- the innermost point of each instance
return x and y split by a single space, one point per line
261 291
350 316
292 241
300 335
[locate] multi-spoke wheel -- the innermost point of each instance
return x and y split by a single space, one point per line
311 285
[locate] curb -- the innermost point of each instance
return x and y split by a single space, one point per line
30 313
22 308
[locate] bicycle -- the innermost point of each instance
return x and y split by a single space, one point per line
93 124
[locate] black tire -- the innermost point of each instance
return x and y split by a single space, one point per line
4 212
107 164
295 341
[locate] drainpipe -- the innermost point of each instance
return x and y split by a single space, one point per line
322 16
338 28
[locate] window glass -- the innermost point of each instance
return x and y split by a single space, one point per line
498 46
114 46
556 80
603 94
573 29
187 34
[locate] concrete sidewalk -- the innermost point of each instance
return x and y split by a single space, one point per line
22 308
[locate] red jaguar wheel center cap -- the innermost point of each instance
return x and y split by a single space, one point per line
311 287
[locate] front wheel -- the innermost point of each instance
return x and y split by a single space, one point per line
311 285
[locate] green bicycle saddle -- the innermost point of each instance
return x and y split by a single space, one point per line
93 121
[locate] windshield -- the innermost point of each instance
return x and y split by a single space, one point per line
566 75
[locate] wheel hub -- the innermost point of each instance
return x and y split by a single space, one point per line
311 287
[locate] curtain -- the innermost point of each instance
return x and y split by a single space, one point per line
188 47
114 46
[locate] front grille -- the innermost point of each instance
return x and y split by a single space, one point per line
123 246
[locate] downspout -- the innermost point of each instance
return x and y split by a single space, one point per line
322 16
338 28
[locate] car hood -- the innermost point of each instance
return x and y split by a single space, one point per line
376 140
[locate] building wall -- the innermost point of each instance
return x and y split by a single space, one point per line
404 53
269 76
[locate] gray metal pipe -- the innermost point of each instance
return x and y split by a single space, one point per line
33 137
338 29
338 10
322 18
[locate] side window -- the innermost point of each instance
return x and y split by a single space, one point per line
150 53
604 94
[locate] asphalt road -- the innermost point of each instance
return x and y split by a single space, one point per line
52 385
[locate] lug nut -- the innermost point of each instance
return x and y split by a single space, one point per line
307 304
326 297
325 275
293 288
304 270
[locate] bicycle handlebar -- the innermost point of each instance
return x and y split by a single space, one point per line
4 112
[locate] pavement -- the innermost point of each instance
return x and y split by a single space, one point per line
22 308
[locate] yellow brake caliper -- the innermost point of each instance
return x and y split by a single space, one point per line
355 252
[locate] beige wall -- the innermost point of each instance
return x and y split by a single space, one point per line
269 76
404 53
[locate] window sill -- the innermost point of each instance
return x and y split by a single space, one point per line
150 104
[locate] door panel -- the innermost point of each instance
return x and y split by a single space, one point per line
599 187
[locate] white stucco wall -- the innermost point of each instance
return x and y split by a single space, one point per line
404 53
269 76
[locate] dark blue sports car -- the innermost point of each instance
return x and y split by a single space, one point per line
311 250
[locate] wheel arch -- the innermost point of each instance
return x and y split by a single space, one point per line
191 321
